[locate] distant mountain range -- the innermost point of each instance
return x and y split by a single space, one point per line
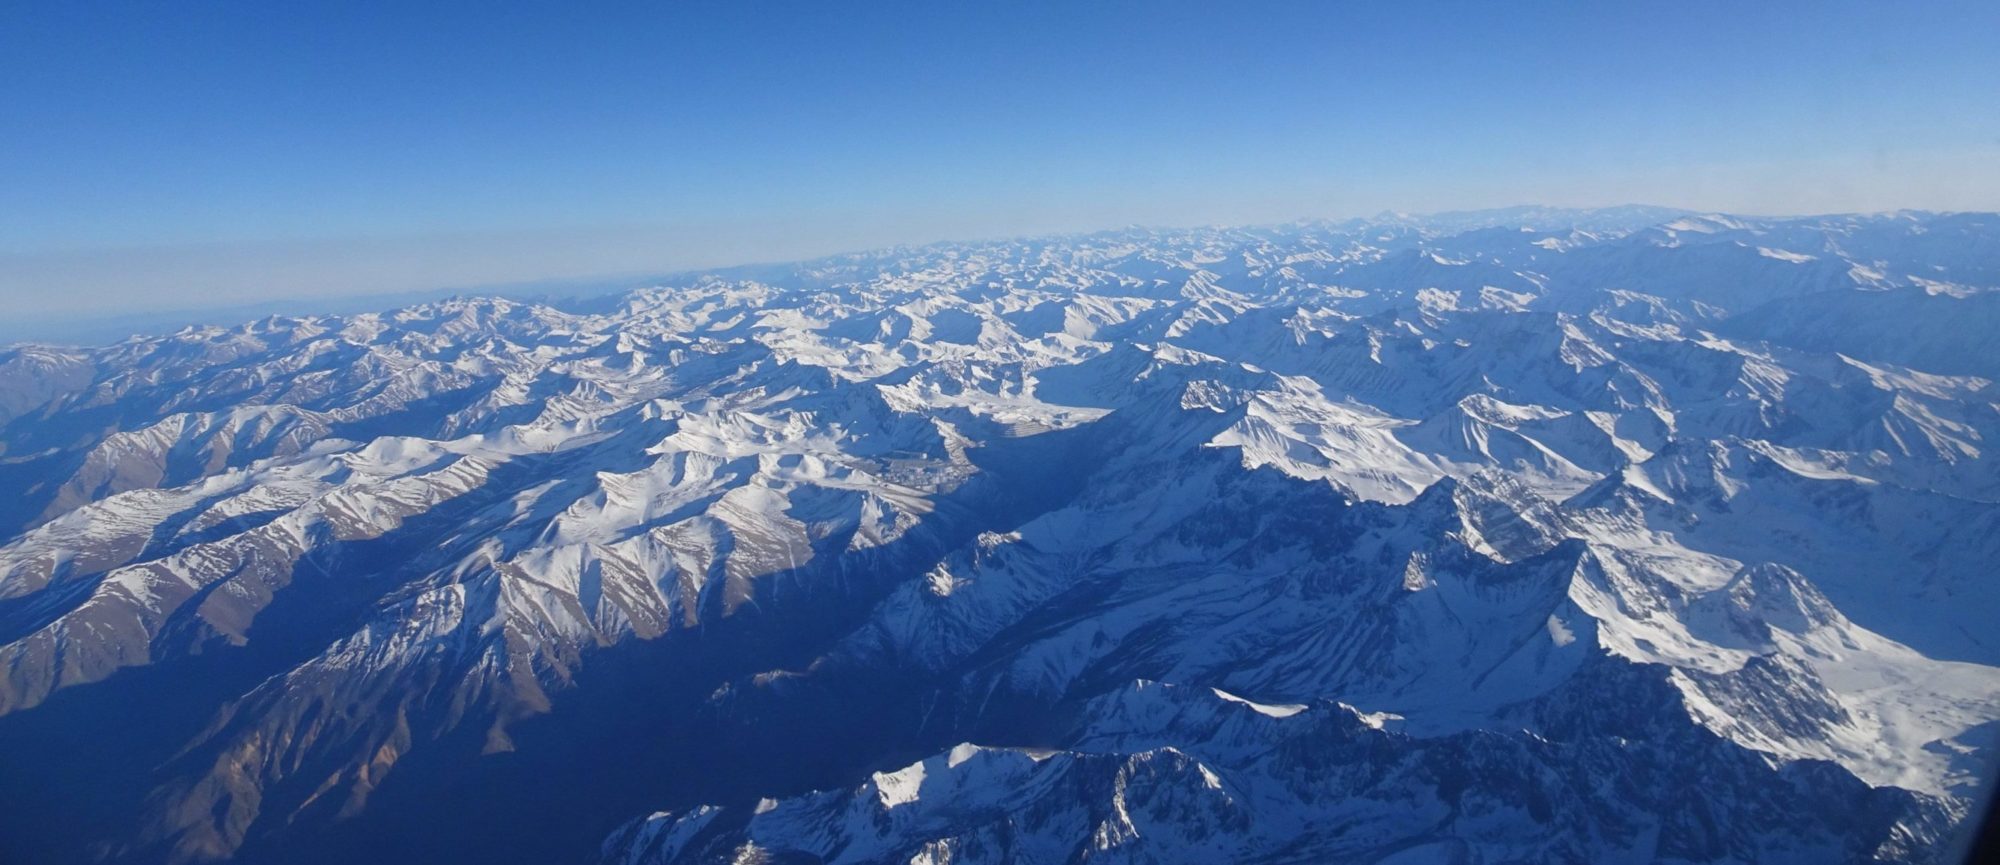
1530 535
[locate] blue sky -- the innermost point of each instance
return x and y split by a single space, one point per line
180 154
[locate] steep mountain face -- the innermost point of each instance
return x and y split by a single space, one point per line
1528 535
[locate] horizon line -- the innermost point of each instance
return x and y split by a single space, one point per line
142 323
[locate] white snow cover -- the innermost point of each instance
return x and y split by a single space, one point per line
1403 537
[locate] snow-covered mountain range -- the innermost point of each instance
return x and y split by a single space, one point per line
1531 535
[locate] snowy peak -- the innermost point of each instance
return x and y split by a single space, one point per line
1330 541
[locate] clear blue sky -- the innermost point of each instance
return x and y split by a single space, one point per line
163 154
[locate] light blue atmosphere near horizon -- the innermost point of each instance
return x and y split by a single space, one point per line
176 155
